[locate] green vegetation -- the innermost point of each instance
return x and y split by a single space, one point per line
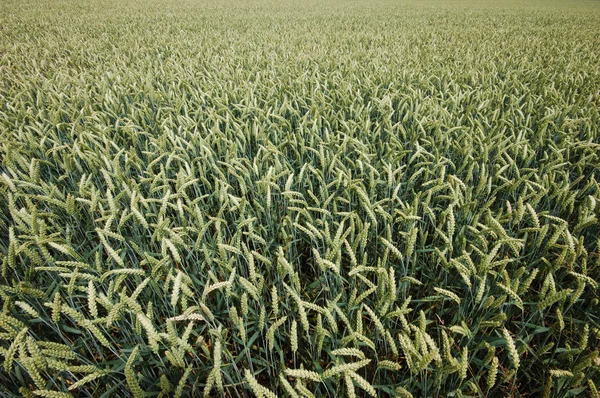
346 198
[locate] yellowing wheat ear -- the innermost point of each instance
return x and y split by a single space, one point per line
131 375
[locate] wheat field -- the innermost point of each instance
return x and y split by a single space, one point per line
299 198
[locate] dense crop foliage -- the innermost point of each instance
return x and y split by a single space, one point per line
287 198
